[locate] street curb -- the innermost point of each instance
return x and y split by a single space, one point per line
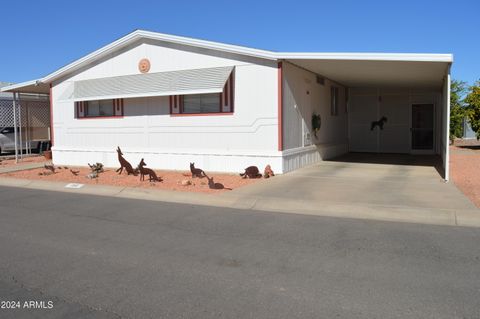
404 214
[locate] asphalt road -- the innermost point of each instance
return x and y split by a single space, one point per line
101 257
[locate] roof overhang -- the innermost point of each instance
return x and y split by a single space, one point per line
377 69
29 87
148 35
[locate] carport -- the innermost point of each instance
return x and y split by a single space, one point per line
395 103
29 115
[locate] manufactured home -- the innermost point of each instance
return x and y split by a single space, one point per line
176 100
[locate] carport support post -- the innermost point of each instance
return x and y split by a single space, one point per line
15 125
20 126
28 150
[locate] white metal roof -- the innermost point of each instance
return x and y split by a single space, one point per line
33 86
234 49
5 95
342 56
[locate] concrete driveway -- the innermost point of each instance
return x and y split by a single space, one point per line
365 181
378 187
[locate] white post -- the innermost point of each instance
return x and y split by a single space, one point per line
20 126
15 125
447 151
27 131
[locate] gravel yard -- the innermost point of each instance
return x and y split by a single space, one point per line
465 168
172 180
7 161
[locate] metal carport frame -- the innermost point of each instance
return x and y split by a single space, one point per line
25 94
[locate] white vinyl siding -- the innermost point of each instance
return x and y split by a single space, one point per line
248 133
369 105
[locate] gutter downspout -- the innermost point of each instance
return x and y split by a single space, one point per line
280 105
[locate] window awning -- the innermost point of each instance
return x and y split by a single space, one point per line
195 81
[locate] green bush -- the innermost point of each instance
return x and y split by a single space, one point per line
457 108
473 107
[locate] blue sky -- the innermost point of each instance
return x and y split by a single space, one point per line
38 37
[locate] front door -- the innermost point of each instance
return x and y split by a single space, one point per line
422 128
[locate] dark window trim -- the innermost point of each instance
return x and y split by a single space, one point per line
226 98
82 110
182 104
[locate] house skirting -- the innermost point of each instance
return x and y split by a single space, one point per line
213 161
303 156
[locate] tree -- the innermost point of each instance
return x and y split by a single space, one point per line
473 107
457 108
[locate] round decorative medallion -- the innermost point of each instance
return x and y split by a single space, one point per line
144 65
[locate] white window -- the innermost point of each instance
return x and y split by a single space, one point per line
201 103
334 101
99 108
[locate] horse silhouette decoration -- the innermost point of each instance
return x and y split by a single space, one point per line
378 123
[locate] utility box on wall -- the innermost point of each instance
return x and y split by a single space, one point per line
307 139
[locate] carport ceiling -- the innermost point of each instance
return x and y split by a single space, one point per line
361 73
